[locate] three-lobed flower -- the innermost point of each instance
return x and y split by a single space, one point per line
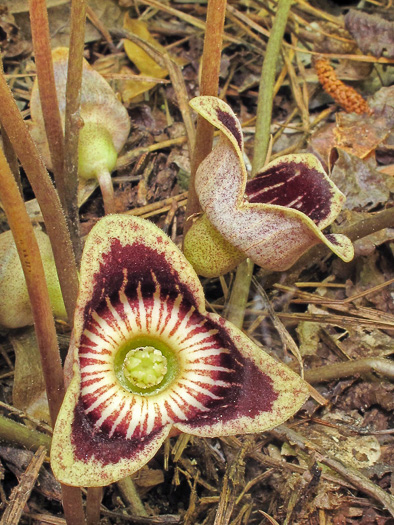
148 358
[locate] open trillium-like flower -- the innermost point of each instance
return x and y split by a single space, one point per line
147 357
273 219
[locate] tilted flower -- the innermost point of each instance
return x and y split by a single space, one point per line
148 357
273 219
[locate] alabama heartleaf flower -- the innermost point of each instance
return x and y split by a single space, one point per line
273 219
147 358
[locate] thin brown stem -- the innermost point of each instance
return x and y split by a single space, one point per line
73 120
47 88
93 502
45 193
33 269
44 324
209 86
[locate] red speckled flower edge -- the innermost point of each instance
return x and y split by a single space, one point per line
135 284
288 203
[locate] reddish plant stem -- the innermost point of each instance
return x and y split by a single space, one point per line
47 89
93 503
210 69
73 119
44 324
46 195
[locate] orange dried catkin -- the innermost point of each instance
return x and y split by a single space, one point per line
344 95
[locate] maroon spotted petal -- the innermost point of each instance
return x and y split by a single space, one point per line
138 292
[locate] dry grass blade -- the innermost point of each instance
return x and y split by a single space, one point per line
179 86
21 493
286 338
269 518
158 207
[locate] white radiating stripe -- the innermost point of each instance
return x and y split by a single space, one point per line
144 412
174 317
93 387
155 313
135 418
102 367
98 340
206 352
210 368
265 189
161 324
102 397
162 410
201 390
106 328
292 203
106 412
130 320
142 310
197 339
127 407
189 399
153 411
207 380
123 331
182 329
92 376
174 406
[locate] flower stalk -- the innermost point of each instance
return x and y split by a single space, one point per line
29 254
210 68
45 193
73 119
48 97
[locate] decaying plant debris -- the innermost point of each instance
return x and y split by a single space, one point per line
330 320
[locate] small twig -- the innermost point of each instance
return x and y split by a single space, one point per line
125 159
21 493
94 19
350 368
154 206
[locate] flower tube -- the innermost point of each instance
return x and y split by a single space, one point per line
273 219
